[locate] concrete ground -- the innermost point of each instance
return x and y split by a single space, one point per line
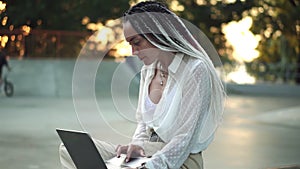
258 132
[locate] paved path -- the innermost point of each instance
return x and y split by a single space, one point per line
258 132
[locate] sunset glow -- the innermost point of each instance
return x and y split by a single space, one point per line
244 44
2 6
123 49
175 6
108 36
240 76
242 39
3 40
26 29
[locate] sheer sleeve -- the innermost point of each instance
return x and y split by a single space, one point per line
140 134
188 126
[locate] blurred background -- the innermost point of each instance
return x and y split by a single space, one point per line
258 42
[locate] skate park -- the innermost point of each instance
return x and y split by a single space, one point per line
260 129
53 89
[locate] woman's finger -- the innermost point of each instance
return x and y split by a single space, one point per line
129 153
142 152
121 149
118 146
118 150
134 151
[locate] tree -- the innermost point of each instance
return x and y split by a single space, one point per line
278 23
62 14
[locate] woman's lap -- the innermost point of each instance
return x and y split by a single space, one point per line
108 150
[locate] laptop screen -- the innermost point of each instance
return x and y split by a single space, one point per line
81 149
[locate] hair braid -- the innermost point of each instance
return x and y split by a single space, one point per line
148 6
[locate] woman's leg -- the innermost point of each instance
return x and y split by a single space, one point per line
151 148
194 161
106 151
65 159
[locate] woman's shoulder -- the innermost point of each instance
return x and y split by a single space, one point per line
193 63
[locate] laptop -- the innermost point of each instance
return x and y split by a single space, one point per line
85 155
82 150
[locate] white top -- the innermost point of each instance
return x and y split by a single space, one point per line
181 118
149 108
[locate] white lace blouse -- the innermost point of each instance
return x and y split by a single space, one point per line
181 118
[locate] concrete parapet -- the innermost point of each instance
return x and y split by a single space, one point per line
265 89
53 78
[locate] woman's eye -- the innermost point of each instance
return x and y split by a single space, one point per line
136 42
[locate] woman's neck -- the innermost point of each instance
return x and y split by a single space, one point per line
166 59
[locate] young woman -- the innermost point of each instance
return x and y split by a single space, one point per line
181 96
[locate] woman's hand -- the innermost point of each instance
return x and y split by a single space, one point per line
131 151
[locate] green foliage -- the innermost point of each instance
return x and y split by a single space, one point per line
62 14
59 15
278 23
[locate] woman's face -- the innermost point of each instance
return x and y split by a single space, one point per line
140 46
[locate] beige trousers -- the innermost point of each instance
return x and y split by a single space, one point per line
107 151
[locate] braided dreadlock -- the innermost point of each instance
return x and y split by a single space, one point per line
148 6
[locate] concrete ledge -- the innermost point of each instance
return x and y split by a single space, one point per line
53 78
287 167
265 89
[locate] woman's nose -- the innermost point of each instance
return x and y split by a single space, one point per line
134 51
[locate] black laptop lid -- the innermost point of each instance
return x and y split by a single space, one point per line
81 149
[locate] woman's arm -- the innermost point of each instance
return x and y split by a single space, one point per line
135 147
189 126
140 134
